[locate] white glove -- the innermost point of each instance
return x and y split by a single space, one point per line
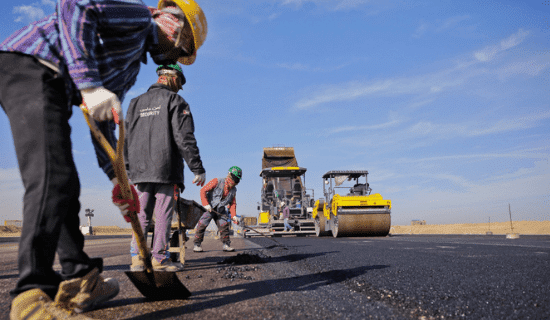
208 208
123 208
101 103
199 179
235 220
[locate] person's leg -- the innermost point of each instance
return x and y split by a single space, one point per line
35 101
287 226
203 223
164 210
146 194
223 222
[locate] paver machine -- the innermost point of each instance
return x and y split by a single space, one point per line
283 181
353 212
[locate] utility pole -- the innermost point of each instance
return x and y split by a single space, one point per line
511 235
88 230
89 214
511 225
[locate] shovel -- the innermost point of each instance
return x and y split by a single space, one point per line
153 285
263 234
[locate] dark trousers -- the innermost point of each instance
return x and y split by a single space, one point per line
34 99
222 220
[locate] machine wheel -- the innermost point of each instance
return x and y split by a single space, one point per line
320 222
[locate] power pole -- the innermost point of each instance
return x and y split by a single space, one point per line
89 214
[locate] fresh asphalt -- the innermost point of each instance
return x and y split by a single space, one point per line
397 277
429 277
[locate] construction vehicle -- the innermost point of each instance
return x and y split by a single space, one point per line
355 213
283 181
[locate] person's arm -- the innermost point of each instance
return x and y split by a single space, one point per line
184 135
108 130
204 190
81 23
233 209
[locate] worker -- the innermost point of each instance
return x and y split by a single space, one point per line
86 52
159 134
286 214
217 196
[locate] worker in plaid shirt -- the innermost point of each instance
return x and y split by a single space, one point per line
87 52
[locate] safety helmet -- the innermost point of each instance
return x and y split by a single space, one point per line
236 172
197 21
169 66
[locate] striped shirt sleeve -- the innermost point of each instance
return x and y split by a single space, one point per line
78 23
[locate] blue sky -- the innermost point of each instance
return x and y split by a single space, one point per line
445 103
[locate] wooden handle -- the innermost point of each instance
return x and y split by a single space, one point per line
117 160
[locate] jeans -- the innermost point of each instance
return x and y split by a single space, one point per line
222 221
34 99
287 226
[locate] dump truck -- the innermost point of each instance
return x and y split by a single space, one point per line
354 212
283 181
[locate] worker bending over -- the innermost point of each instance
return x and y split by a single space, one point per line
217 196
86 52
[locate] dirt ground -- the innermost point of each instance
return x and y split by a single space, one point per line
521 227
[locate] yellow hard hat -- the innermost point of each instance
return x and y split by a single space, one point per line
197 21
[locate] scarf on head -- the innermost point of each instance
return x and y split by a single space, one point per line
168 22
171 81
227 186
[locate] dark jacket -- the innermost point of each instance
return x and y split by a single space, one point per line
159 136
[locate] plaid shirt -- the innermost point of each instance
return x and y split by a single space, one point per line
93 43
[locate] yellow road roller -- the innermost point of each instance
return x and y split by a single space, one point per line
350 210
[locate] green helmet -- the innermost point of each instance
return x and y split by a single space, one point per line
175 67
237 172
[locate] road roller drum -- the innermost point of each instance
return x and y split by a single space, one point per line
365 224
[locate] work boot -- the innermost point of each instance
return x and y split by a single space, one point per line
36 305
84 294
137 264
197 248
226 247
165 265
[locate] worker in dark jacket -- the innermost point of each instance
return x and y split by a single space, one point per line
160 135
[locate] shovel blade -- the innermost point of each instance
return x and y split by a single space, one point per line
158 285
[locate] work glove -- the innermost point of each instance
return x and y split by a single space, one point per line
208 208
235 220
199 179
101 103
122 207
127 206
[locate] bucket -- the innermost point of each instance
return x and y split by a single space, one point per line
191 213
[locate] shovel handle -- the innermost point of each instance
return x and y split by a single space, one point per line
117 160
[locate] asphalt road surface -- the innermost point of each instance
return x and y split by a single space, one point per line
397 277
